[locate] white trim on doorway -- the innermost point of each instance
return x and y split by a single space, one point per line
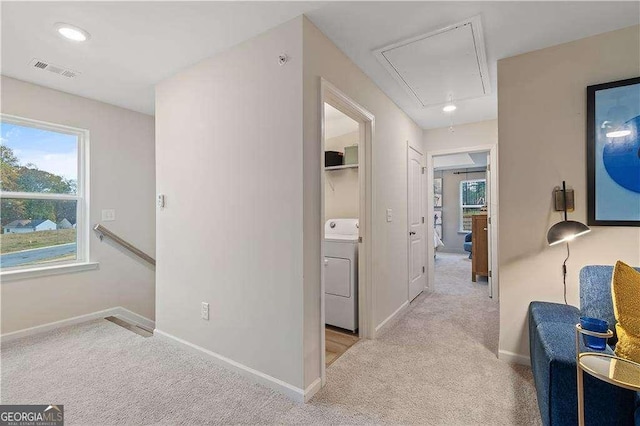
336 98
493 211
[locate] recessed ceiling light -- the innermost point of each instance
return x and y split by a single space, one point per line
71 32
449 108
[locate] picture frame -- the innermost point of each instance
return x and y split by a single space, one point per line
613 153
437 192
437 217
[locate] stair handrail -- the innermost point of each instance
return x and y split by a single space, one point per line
104 232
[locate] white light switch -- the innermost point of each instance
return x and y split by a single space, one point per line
389 215
108 215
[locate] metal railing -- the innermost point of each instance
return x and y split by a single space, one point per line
104 232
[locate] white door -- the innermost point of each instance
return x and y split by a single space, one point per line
415 208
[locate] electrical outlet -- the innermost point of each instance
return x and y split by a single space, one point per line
204 311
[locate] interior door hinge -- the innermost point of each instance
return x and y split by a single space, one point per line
488 167
422 219
423 170
359 239
489 220
423 270
490 275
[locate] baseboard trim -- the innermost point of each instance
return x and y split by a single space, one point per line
7 337
278 385
118 311
397 313
513 358
312 389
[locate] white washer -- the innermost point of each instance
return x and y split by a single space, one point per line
341 273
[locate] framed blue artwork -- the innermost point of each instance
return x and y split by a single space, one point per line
613 153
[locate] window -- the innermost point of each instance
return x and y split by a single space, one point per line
472 199
42 194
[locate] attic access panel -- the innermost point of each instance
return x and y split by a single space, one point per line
450 62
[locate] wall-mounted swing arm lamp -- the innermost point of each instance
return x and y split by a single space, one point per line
567 230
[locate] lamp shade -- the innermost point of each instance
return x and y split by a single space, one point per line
565 231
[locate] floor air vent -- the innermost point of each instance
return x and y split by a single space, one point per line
142 331
56 69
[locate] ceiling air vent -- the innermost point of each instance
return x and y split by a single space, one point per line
448 63
56 69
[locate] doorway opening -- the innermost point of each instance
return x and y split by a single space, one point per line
468 202
461 237
462 223
346 288
341 231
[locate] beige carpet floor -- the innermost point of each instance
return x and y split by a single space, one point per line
434 366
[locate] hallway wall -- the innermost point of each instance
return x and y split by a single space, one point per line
231 235
542 143
463 136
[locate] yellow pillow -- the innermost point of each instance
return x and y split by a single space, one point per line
625 289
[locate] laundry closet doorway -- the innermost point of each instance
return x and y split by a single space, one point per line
346 285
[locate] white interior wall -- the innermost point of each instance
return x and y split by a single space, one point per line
463 136
341 186
542 128
122 178
231 166
393 128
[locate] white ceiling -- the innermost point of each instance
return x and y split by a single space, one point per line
134 45
510 28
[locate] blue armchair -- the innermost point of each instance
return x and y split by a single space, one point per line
467 244
553 358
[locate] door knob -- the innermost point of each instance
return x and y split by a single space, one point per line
412 233
326 262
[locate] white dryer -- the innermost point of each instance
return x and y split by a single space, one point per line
341 273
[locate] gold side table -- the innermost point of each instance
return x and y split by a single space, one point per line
609 368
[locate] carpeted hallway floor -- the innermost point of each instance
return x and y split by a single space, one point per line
436 365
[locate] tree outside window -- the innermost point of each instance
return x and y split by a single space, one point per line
472 198
41 184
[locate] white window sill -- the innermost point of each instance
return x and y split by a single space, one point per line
23 274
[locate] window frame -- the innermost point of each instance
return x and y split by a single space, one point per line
468 206
81 197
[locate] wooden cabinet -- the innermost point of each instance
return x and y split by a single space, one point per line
480 247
